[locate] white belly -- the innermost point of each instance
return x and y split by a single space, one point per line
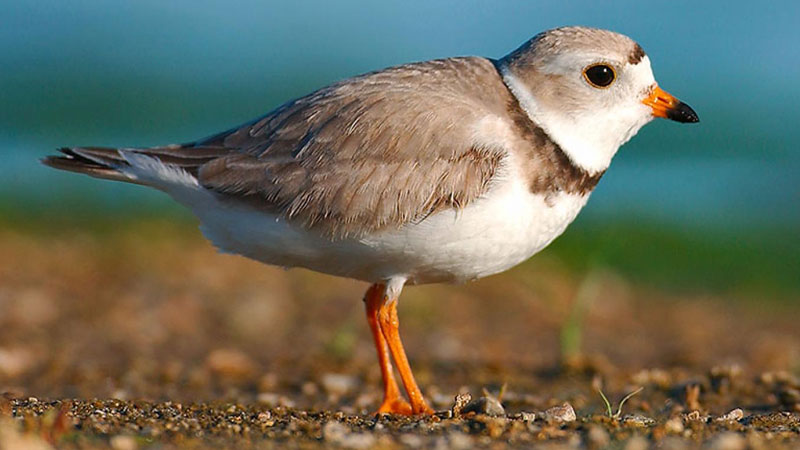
489 236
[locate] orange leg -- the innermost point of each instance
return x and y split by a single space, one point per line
390 327
393 403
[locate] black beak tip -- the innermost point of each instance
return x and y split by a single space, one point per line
683 113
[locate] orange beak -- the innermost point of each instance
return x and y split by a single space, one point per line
666 106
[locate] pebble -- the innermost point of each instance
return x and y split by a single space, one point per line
484 405
694 415
560 414
731 416
527 416
460 402
637 420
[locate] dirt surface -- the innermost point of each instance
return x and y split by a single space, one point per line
143 336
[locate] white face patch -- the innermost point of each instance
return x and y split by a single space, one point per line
590 132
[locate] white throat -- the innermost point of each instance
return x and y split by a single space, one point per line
589 141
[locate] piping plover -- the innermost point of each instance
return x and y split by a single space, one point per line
437 171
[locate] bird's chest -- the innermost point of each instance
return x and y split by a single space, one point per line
489 236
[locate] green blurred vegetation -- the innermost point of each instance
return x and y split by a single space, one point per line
759 264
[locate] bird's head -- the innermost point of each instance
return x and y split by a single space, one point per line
591 90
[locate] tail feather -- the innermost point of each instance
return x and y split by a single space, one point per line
88 161
110 163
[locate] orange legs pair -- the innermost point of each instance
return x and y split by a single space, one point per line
383 321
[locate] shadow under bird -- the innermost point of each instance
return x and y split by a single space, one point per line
437 171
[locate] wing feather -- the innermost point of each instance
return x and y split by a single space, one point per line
372 152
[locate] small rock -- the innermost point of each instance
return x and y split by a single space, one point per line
560 414
460 402
728 440
731 416
527 416
484 405
693 416
637 420
337 384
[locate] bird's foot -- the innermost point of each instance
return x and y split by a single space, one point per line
396 406
422 409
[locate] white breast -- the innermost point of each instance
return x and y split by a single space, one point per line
489 236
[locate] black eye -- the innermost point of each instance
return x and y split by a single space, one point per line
599 75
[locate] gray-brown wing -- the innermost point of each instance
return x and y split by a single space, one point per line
373 152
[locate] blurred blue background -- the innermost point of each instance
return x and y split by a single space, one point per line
153 72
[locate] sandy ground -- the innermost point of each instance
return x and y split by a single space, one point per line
143 336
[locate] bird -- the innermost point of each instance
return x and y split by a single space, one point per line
442 171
